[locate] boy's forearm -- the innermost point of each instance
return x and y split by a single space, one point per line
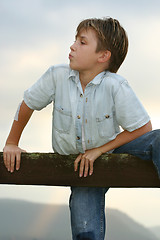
125 137
17 127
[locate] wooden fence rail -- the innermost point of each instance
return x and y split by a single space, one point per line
110 170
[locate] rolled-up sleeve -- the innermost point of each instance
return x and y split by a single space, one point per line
42 92
130 113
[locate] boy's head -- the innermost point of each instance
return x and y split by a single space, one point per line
111 36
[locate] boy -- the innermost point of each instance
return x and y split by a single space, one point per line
90 103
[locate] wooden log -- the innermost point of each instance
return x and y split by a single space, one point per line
110 170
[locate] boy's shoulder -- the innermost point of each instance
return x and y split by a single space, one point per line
115 78
113 82
60 68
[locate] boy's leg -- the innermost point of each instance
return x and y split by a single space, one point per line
146 147
87 208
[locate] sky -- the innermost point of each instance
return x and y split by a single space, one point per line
36 34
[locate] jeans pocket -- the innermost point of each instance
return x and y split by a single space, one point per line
62 119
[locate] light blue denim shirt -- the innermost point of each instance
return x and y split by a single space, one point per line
107 103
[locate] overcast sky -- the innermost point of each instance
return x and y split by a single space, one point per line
36 34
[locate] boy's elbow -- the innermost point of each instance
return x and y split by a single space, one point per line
148 127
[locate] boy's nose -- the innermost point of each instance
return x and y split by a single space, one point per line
73 46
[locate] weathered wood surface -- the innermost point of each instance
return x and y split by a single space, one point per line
110 170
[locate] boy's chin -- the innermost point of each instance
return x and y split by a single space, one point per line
73 67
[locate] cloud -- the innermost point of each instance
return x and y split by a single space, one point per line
31 23
37 34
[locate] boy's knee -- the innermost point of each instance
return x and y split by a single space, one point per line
156 135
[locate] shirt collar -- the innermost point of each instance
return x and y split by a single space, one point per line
74 75
97 80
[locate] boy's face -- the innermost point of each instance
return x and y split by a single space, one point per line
83 56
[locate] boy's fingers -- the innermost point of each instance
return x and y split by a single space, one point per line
5 158
76 162
12 157
8 158
18 160
81 167
12 162
91 168
86 167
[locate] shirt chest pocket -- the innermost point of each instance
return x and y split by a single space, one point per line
62 119
105 125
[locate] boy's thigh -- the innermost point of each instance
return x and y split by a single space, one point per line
141 146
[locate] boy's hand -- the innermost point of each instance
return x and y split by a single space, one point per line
86 161
12 154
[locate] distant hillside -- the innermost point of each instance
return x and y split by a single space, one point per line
156 231
120 226
20 220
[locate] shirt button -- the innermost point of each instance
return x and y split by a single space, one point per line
78 137
107 116
86 99
81 95
78 116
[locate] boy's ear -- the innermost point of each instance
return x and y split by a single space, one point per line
104 56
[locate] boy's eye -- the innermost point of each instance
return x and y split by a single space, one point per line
82 42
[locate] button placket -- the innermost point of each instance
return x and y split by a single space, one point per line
78 122
87 117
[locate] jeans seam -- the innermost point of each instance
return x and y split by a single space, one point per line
102 217
139 152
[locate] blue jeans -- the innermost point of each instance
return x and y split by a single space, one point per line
87 204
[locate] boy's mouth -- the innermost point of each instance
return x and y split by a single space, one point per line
70 56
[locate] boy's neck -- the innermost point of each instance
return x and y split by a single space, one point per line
87 76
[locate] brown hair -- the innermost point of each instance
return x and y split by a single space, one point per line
111 36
